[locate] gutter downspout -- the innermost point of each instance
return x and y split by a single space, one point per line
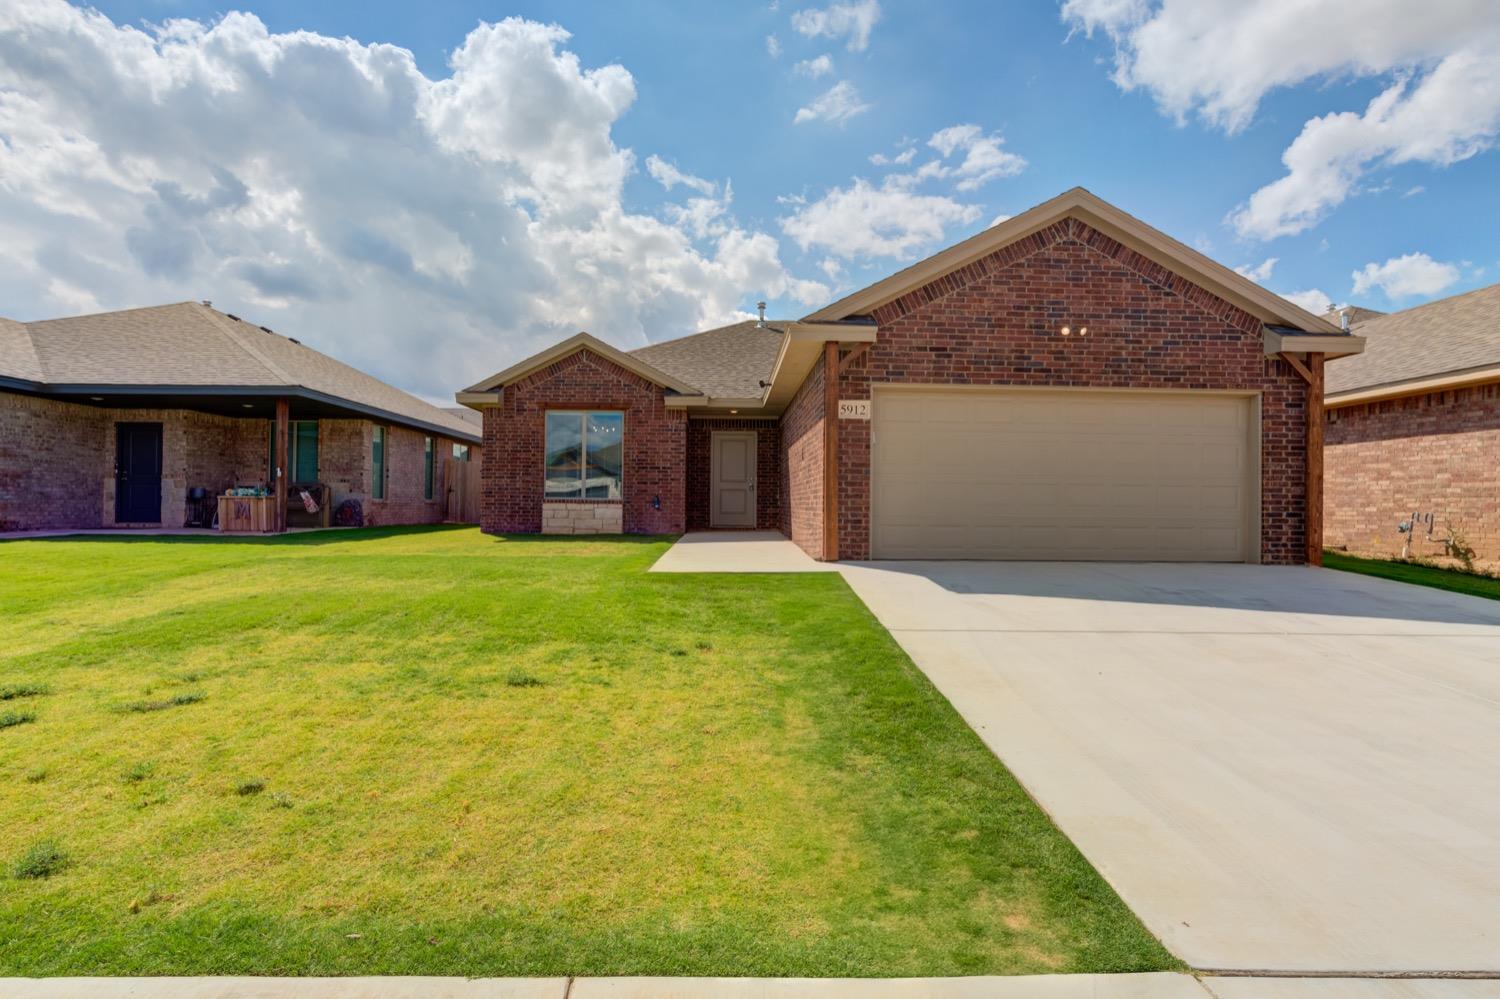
830 451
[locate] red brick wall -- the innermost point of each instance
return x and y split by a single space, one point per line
405 477
802 465
995 322
767 470
1437 453
655 446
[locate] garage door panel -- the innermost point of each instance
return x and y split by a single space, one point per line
1065 475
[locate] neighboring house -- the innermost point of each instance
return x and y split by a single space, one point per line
1069 384
1414 428
110 420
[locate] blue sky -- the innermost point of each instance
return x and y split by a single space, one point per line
434 246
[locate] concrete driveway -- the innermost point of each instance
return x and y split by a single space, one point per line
1277 768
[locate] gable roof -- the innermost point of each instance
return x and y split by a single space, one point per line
729 362
1452 339
573 344
192 349
1081 204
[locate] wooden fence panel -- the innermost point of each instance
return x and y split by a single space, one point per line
463 490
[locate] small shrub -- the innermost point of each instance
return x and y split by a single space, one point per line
520 679
245 788
1457 544
13 718
349 514
281 799
15 690
171 702
139 772
43 860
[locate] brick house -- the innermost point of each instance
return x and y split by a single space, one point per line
120 419
1413 427
1068 384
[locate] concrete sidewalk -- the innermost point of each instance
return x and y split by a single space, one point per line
738 551
1143 986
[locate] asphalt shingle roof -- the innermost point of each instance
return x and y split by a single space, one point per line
192 345
1449 335
728 362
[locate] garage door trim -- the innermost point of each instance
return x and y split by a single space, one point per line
1252 525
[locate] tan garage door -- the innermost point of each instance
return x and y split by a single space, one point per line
1062 475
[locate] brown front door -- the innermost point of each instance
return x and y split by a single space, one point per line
732 481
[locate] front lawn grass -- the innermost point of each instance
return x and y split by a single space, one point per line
1421 575
430 751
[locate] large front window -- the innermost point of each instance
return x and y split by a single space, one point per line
584 455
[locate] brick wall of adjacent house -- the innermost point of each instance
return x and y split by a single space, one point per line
51 464
700 470
996 321
1437 453
801 465
57 463
654 447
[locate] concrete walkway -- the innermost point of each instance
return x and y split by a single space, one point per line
1279 769
738 551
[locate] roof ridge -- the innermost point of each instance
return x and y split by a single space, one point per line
223 322
107 312
1435 301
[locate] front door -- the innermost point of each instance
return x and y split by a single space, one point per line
138 473
732 496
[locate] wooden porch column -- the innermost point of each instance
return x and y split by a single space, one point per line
831 451
283 447
1315 459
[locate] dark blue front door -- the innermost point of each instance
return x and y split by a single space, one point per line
138 473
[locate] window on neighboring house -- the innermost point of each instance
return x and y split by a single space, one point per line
584 452
461 452
377 464
303 437
427 468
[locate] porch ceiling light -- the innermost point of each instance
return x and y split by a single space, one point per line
248 405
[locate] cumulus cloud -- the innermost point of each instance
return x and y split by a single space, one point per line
331 190
1218 59
1406 276
853 20
773 46
1312 300
899 159
814 68
838 104
983 160
865 221
1261 272
668 176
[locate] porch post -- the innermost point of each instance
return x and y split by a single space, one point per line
1315 459
283 446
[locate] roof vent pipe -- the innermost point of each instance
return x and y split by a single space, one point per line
1344 319
761 308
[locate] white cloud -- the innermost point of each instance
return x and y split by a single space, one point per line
854 20
864 221
1412 192
814 68
773 46
998 219
838 104
668 176
1312 300
1218 59
1261 272
1406 276
900 159
330 190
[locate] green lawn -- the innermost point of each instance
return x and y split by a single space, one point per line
429 751
1421 575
